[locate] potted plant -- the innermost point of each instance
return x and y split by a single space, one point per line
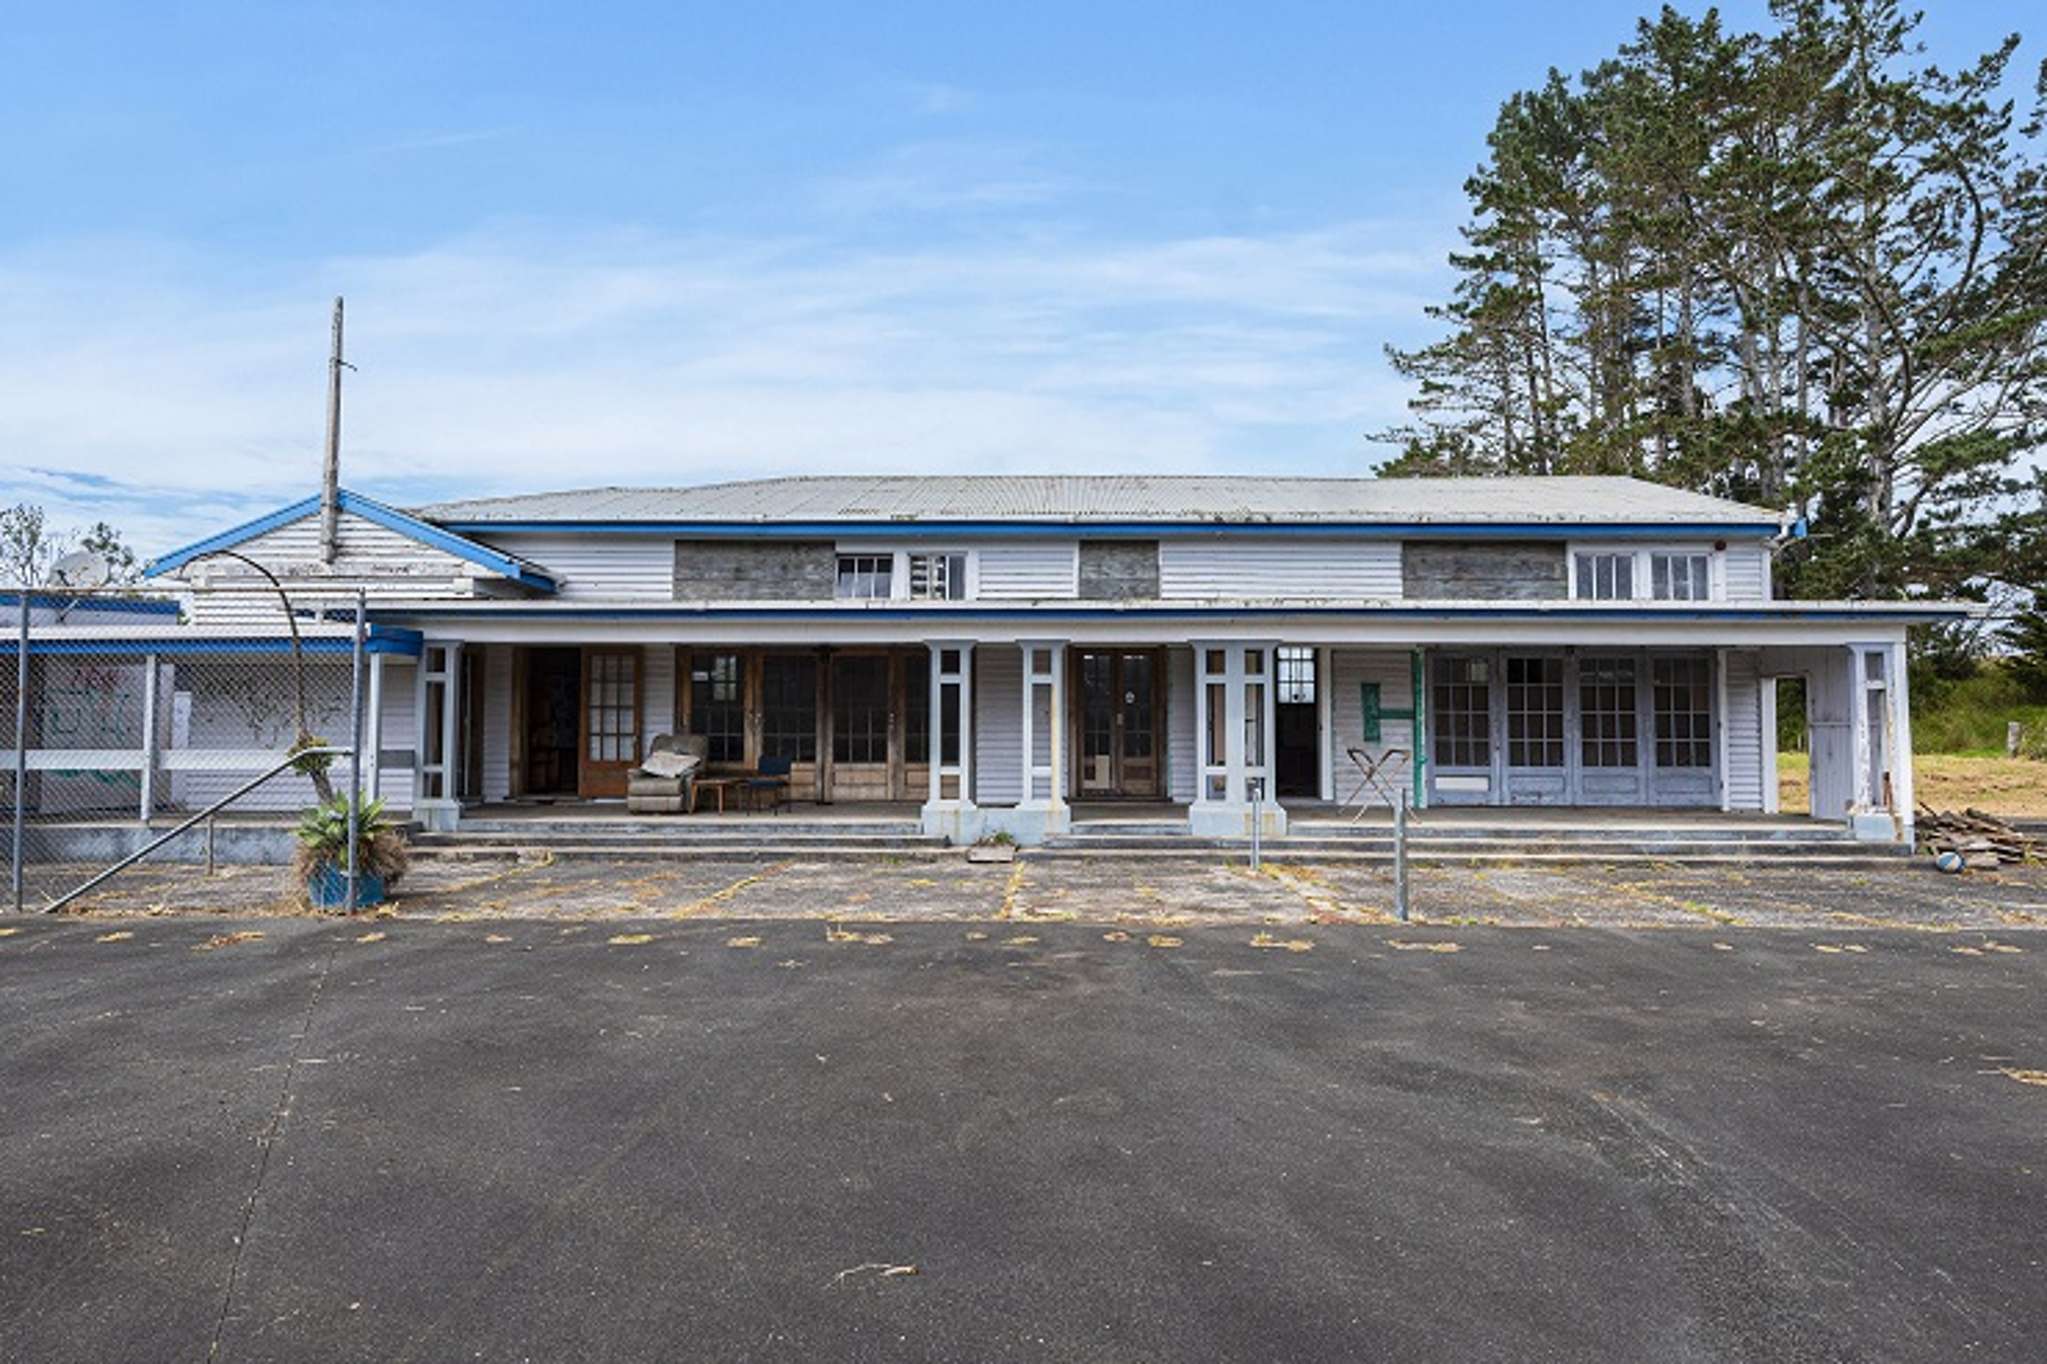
322 861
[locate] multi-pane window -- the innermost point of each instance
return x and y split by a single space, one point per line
938 577
917 716
866 577
717 710
1606 577
1607 714
1296 676
1535 712
1679 577
1461 710
789 707
614 731
1682 692
860 710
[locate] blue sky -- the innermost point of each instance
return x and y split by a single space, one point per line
665 243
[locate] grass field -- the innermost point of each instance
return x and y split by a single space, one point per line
1947 781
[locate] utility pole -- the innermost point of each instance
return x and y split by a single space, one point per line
330 486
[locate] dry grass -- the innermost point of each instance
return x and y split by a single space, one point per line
2015 787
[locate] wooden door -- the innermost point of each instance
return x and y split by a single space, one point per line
860 687
609 745
1119 722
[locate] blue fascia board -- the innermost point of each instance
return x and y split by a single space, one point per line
390 518
1054 613
850 530
58 600
380 639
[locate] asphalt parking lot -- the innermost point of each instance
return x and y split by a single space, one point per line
1140 890
782 1139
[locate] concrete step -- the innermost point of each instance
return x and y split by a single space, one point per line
686 826
1866 856
1298 843
678 838
1744 832
757 850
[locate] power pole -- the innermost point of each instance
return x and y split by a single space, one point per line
330 486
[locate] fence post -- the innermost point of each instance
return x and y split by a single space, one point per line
1400 858
355 754
20 741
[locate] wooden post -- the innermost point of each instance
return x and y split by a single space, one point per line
2014 738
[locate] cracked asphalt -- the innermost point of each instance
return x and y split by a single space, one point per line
634 1137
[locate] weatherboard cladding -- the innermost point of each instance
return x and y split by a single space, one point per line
597 569
1221 569
1118 498
1028 570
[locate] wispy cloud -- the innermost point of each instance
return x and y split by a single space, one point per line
174 393
943 177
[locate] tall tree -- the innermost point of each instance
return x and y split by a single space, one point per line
1801 267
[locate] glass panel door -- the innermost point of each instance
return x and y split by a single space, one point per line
1535 712
611 723
1136 690
860 722
1097 724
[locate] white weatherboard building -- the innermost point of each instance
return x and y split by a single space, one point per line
995 650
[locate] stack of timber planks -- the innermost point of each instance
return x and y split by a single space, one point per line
1982 839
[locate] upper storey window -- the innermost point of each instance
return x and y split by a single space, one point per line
1642 575
866 577
1605 577
904 575
938 577
1680 577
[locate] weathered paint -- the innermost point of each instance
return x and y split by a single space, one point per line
1502 571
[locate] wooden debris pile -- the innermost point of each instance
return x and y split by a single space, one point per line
1982 839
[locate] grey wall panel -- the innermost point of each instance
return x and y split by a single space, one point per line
759 570
1514 570
1119 570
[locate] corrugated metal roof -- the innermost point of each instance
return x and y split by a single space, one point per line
1119 498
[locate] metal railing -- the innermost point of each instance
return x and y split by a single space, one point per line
131 707
208 813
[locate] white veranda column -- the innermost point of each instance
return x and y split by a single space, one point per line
373 729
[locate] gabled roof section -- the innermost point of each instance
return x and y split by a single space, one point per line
1120 500
390 518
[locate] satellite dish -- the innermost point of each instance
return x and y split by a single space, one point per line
80 568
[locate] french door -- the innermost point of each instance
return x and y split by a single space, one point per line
861 686
1585 728
1119 723
609 745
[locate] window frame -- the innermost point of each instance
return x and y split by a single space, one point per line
1642 569
899 557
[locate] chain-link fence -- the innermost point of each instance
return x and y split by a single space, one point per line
163 726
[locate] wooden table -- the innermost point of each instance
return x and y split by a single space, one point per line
719 784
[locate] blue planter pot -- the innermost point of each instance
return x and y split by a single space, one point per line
327 888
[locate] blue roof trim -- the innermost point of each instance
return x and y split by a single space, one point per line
381 639
64 601
1219 612
390 518
1417 530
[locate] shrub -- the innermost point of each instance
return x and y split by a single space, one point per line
323 841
